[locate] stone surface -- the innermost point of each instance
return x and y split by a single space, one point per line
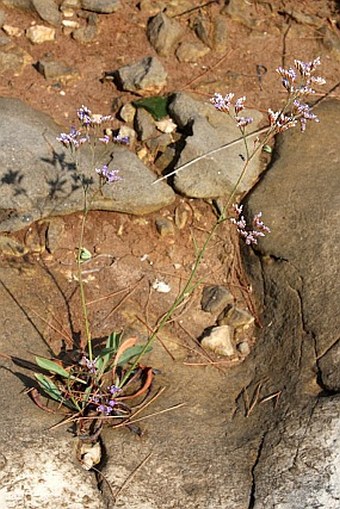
39 34
48 11
24 5
87 34
172 7
217 174
239 11
216 298
2 17
165 226
39 180
220 341
191 51
56 70
299 465
163 33
144 125
101 6
127 113
147 75
306 232
12 31
236 317
13 59
329 366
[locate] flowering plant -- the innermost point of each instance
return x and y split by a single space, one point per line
95 385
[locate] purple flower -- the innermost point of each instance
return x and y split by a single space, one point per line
280 121
113 389
74 138
222 103
85 115
89 365
104 409
304 112
239 104
109 175
250 236
243 121
307 68
124 140
105 139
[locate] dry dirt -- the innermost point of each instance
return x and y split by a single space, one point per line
129 254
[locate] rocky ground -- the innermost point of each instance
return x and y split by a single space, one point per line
257 426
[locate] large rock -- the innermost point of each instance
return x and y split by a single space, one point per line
299 465
48 11
163 33
300 200
101 6
39 179
147 75
215 175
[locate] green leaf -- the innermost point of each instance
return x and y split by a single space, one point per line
156 105
52 390
84 255
52 367
268 149
132 352
104 357
49 387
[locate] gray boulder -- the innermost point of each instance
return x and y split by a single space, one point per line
147 75
300 200
48 11
215 175
101 6
38 178
163 33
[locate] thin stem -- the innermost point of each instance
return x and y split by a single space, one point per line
81 284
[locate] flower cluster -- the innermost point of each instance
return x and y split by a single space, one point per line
250 236
73 139
108 175
105 402
299 83
90 124
89 365
92 131
225 103
87 118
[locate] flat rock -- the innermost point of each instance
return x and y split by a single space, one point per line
85 35
147 75
163 33
101 6
39 34
144 125
57 70
48 11
39 179
134 194
13 59
220 341
215 298
329 366
217 174
191 51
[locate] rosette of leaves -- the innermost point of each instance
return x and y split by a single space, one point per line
95 391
